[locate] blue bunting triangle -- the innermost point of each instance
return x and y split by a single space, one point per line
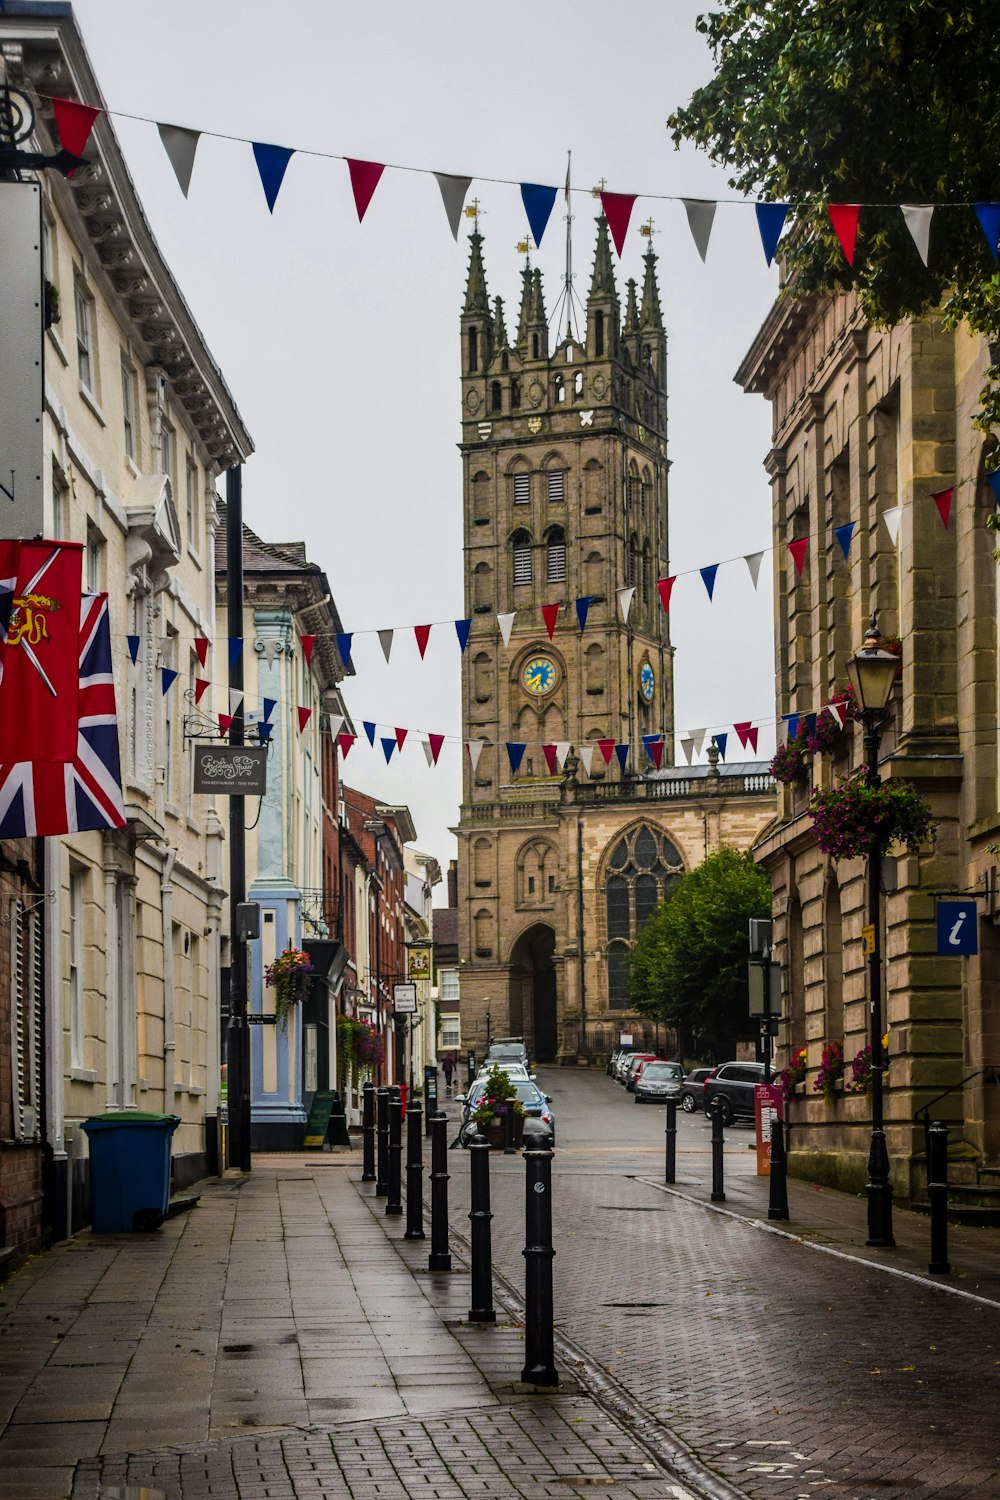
264 732
270 704
622 753
538 203
988 215
810 723
462 628
344 639
388 746
844 534
271 163
771 221
235 649
369 730
582 606
708 577
792 720
515 754
167 679
722 740
133 648
993 480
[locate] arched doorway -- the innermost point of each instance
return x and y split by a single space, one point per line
533 984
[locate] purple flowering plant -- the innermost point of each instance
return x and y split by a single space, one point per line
790 764
854 818
831 1071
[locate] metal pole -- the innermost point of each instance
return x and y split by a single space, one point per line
382 1139
879 1188
509 1149
777 1201
368 1132
937 1192
238 1037
414 1172
394 1197
482 1310
539 1353
671 1133
440 1256
718 1191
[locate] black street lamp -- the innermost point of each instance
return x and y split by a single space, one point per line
872 672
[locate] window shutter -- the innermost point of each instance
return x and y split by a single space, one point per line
557 484
556 562
522 489
26 1017
522 562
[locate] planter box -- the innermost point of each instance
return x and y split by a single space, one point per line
496 1131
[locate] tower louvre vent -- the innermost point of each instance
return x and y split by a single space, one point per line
522 489
557 484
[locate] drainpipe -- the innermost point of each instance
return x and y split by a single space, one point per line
167 914
579 928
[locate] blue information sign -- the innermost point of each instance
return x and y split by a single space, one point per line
957 927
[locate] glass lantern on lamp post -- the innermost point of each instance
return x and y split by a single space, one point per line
872 672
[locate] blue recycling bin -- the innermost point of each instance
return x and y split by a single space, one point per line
129 1170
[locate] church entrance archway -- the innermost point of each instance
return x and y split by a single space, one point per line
533 984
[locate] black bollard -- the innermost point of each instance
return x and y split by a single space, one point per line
509 1149
481 1310
394 1197
777 1198
715 1111
539 1354
937 1192
382 1141
414 1173
368 1132
671 1133
440 1256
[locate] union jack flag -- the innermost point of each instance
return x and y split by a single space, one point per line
52 797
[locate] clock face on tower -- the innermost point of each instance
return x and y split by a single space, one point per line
647 682
539 675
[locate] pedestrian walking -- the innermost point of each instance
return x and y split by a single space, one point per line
448 1068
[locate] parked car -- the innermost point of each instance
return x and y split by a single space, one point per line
615 1056
507 1049
692 1089
535 1104
635 1067
622 1062
659 1081
734 1084
514 1070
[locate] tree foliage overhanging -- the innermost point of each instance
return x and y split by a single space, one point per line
876 102
689 963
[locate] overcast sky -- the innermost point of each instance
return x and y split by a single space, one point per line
340 342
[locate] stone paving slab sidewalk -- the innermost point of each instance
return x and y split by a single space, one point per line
276 1343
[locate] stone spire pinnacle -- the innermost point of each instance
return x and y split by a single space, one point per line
499 326
603 280
651 314
477 302
631 310
524 316
538 298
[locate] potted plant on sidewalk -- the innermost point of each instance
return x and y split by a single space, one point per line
499 1099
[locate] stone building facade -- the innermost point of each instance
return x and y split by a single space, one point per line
564 453
867 423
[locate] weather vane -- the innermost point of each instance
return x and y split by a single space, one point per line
647 230
472 211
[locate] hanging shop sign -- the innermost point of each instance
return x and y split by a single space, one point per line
232 770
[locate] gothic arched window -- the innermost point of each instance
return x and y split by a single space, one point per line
520 544
599 334
496 396
555 556
515 394
643 866
560 389
473 350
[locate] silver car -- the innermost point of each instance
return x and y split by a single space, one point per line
658 1082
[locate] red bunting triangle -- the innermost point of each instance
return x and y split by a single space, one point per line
344 742
308 642
550 613
549 751
74 123
435 741
654 749
665 589
618 210
607 749
844 218
422 633
798 551
747 733
401 738
943 502
201 687
305 714
364 181
225 724
201 649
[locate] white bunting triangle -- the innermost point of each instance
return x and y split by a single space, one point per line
701 213
385 641
453 191
892 518
235 699
428 752
475 749
625 597
506 623
180 146
587 758
697 739
837 713
270 646
687 748
918 221
336 724
562 750
753 561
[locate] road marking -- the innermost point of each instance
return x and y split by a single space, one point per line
798 1239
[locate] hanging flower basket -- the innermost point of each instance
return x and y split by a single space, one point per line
791 762
288 977
854 818
860 1081
790 1079
831 1071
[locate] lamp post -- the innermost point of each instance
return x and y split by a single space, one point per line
872 672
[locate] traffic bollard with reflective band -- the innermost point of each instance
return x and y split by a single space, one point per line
715 1112
777 1197
414 1173
937 1192
394 1200
440 1256
539 1354
671 1133
368 1132
482 1310
382 1142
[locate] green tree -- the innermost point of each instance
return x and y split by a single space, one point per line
689 963
878 102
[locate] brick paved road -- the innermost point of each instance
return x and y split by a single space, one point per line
793 1373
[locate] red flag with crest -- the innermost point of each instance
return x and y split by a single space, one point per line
40 669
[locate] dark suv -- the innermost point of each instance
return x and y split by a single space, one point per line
733 1083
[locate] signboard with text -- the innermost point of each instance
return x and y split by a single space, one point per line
404 999
230 770
21 385
768 1105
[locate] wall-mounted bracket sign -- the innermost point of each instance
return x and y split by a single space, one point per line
232 770
957 928
404 999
